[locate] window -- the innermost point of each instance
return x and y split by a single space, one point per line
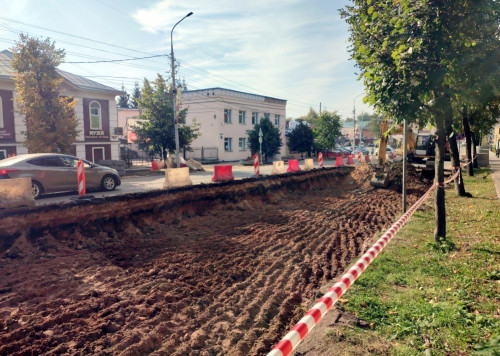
95 116
242 142
228 144
227 116
3 154
242 119
255 118
52 161
277 120
267 115
1 114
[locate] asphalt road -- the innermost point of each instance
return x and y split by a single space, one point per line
135 184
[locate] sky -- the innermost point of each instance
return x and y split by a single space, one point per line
295 50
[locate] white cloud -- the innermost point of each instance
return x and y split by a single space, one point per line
285 48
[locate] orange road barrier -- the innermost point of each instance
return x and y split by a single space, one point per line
350 159
293 165
339 162
367 159
223 173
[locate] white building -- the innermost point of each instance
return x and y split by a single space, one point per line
225 117
96 111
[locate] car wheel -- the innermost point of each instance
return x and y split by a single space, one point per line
36 189
108 183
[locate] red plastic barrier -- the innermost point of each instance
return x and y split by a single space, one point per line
350 159
154 166
339 162
367 159
293 165
392 156
223 173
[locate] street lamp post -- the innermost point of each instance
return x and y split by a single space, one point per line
354 123
174 92
260 143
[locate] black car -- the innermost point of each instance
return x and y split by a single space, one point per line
127 153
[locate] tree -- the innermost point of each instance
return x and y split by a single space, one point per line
51 123
155 134
310 118
271 139
301 138
411 55
123 99
136 96
328 130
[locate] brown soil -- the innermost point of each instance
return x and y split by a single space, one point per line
214 277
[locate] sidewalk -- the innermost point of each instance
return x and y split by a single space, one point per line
495 171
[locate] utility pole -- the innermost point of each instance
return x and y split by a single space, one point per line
320 107
174 93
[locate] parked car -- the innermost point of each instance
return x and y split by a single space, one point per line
127 153
363 151
53 173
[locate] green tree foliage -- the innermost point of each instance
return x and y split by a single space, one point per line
155 134
123 100
311 117
136 96
301 138
51 123
271 139
328 129
411 54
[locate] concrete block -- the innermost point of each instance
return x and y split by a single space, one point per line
483 159
308 164
177 177
15 193
278 167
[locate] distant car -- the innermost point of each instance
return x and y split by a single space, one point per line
127 153
363 151
53 173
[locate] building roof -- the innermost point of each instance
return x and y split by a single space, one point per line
350 124
235 91
7 72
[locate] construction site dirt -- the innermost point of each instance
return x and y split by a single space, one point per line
220 269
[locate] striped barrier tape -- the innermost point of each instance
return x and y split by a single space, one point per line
323 305
314 315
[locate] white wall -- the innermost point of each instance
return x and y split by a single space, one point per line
208 110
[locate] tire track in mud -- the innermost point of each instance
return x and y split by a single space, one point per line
232 281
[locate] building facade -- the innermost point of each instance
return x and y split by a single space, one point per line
226 115
96 111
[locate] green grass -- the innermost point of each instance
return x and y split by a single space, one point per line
421 299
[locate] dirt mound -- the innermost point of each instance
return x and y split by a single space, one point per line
217 277
416 181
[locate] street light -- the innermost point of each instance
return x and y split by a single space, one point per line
260 143
174 93
354 123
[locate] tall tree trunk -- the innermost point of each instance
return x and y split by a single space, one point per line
440 213
468 141
474 152
455 158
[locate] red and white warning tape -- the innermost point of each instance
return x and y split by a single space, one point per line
314 315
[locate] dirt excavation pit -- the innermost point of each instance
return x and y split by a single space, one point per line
230 279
